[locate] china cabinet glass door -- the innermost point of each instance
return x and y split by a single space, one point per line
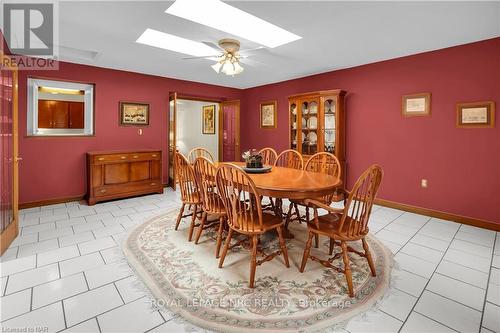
329 125
309 126
294 117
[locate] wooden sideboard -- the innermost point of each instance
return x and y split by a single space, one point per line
120 174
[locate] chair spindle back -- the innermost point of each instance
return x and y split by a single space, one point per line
205 171
241 199
186 178
359 204
269 156
199 152
290 159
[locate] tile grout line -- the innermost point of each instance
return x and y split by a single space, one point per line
434 320
468 306
488 282
429 279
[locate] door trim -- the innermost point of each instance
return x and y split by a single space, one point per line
172 146
10 233
237 151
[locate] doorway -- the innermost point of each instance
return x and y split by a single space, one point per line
229 122
9 217
186 129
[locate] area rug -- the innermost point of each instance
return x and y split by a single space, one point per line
185 278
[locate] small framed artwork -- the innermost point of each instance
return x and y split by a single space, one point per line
269 114
208 125
134 114
476 115
416 105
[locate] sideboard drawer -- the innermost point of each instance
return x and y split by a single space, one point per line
144 156
111 190
99 159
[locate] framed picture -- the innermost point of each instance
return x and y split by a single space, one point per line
269 114
416 105
134 114
208 125
476 115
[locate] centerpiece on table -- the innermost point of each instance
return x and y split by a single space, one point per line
253 160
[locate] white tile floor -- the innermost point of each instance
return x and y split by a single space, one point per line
65 271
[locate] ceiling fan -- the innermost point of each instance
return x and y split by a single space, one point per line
229 61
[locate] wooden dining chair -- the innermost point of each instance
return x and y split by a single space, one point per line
290 159
212 204
322 162
199 152
190 194
346 225
269 156
245 216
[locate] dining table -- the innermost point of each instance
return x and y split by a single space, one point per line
287 183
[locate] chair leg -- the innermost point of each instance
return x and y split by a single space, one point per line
347 268
253 262
179 217
307 214
297 212
226 247
369 257
306 252
288 215
332 243
219 236
283 246
204 216
193 221
316 240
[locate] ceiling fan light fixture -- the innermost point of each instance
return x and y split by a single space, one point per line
216 67
238 68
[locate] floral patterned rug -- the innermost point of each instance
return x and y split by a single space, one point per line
185 279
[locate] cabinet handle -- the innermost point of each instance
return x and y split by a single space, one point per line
153 184
101 158
103 191
136 156
123 157
154 155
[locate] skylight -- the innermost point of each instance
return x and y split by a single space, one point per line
166 41
221 16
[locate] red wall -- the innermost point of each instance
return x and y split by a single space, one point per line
55 167
462 165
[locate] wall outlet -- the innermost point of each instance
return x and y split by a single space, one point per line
139 131
423 183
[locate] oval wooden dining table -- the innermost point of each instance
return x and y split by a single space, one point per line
286 183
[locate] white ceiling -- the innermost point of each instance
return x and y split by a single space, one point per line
335 35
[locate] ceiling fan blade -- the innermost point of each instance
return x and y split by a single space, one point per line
253 50
209 57
251 62
214 46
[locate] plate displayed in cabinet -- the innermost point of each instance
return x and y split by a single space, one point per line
313 108
312 123
303 137
312 138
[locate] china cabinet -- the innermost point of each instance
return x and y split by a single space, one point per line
317 123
